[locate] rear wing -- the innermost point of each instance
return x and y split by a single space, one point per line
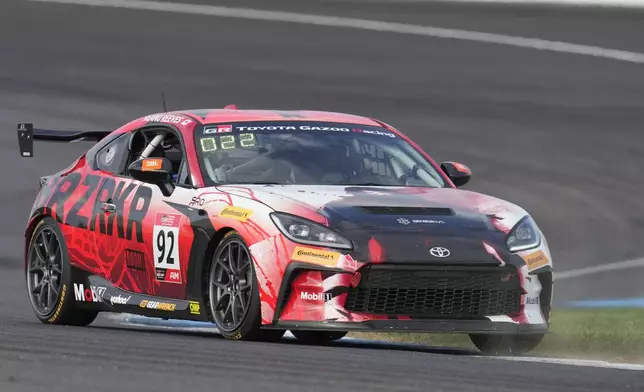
27 134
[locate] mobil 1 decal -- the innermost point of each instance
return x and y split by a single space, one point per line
73 193
166 247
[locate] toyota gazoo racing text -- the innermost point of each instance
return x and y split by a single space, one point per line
266 221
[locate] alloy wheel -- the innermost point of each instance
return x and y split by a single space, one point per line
45 270
230 285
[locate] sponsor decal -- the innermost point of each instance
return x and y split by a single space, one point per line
439 251
120 300
406 222
315 256
167 264
287 128
369 132
238 213
196 202
88 294
167 307
195 308
134 260
315 296
532 301
168 119
536 260
151 164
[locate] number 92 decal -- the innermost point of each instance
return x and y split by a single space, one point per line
167 265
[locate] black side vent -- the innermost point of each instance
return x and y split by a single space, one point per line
433 211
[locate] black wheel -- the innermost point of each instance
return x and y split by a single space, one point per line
506 344
233 295
49 281
318 337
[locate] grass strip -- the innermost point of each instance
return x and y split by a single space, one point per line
615 335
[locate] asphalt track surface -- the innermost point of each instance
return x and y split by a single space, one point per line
559 134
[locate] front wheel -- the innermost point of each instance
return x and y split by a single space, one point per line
49 280
318 337
233 294
506 344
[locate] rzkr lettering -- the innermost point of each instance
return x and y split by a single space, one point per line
109 191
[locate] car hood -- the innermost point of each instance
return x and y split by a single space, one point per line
403 223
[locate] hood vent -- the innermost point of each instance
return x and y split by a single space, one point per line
426 211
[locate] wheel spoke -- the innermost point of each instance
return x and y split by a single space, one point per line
56 289
242 302
223 265
35 266
39 255
220 302
56 269
233 308
38 286
41 296
219 285
243 265
50 291
230 257
45 243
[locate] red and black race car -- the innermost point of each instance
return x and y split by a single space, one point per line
265 221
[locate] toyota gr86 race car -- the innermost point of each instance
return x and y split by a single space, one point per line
266 221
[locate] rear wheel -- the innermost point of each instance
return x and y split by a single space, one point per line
506 344
318 337
49 280
233 294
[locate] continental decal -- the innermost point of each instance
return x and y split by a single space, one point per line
535 260
315 256
238 213
63 292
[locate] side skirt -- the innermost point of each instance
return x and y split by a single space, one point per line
97 293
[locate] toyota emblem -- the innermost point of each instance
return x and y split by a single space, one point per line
438 251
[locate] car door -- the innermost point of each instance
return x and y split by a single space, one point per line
145 243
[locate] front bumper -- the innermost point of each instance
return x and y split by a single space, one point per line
419 326
413 298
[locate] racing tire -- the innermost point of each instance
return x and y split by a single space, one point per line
506 344
233 295
49 278
318 337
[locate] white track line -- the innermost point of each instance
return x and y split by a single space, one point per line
575 362
362 24
620 265
581 3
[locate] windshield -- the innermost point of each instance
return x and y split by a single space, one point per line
307 153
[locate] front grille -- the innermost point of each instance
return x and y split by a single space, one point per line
424 211
436 292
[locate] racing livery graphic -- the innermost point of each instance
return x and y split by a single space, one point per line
266 221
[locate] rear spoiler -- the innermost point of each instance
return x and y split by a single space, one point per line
27 134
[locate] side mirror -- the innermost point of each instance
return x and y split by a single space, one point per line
157 171
457 172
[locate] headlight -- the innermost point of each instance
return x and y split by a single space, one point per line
525 235
305 231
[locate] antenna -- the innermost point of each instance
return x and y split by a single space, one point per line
165 107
